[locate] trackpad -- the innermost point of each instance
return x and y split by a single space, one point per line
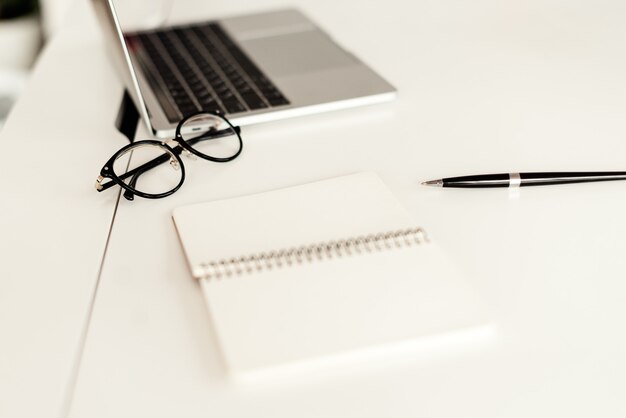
296 53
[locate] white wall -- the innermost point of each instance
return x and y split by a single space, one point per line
53 12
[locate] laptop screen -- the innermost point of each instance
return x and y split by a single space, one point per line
142 15
133 16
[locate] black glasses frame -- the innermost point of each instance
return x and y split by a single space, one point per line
182 145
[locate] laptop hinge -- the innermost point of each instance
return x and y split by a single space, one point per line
127 117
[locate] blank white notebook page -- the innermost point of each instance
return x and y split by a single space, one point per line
327 306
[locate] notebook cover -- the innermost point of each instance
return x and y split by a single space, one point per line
315 309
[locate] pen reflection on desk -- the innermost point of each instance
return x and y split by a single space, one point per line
526 179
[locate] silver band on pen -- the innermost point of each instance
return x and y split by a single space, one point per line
515 180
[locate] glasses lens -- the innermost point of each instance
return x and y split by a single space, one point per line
211 136
149 168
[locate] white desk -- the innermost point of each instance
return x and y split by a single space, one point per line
484 87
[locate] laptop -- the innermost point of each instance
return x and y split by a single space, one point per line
254 68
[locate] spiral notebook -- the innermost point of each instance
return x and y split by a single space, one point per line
320 269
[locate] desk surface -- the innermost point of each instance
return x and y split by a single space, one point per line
98 314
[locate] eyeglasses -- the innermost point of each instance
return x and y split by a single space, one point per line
140 168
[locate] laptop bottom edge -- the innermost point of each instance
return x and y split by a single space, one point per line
291 112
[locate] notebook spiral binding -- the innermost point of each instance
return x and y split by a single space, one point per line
309 253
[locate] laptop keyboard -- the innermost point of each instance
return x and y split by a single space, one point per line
200 67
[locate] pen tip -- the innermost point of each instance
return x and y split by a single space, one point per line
436 183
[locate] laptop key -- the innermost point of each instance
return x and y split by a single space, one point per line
203 94
208 102
212 104
233 106
278 101
253 101
187 111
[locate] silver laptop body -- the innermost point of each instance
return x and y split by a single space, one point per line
253 68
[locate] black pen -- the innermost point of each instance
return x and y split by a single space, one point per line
526 179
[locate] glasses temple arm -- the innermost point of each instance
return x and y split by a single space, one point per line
142 168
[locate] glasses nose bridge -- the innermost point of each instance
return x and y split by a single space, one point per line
170 142
175 144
